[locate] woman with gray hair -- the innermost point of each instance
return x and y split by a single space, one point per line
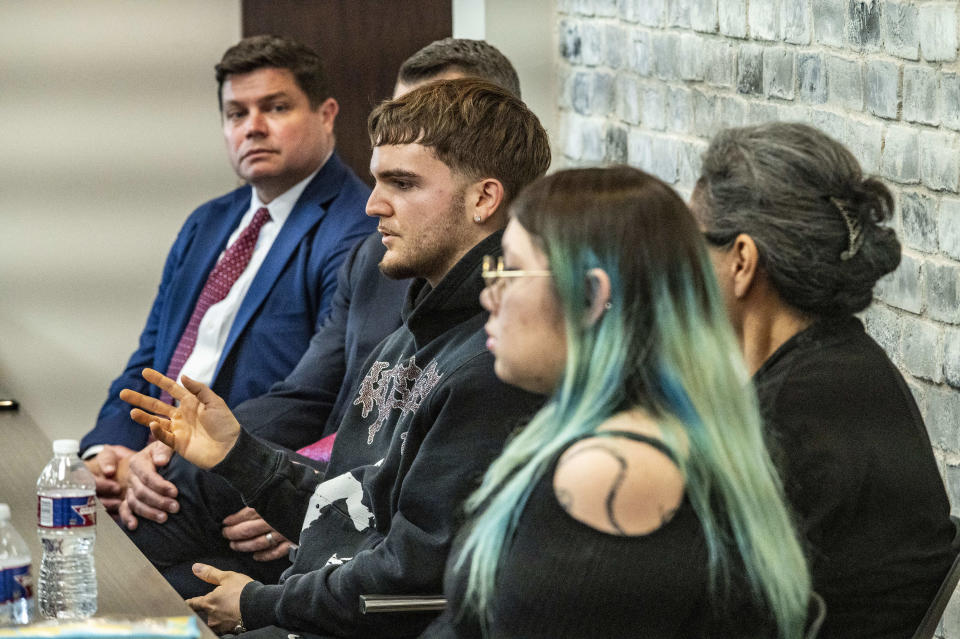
798 241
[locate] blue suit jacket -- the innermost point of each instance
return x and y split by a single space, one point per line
286 303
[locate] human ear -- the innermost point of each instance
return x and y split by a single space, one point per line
484 198
598 295
329 109
745 261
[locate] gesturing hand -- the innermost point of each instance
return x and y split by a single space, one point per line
222 605
201 429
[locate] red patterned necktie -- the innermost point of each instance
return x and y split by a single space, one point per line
219 283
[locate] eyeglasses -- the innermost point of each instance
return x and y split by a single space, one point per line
495 275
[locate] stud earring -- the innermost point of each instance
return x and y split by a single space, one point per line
477 219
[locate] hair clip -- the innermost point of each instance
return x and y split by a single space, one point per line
854 230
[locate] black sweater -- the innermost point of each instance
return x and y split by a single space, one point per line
426 420
860 473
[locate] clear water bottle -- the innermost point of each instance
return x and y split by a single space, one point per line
16 588
67 527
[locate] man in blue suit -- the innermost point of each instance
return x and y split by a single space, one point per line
251 275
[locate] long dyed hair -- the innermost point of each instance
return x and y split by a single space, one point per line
665 345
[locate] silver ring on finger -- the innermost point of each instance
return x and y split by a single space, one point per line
270 540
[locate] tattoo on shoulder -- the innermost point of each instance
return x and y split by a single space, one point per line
617 481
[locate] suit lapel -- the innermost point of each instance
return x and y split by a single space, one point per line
209 240
309 210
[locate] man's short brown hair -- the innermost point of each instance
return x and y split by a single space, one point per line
473 126
270 51
474 58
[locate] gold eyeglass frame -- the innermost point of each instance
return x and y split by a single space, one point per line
493 271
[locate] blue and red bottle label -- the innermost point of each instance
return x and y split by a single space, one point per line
15 584
66 512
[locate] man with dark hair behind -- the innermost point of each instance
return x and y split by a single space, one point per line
302 412
427 416
252 274
457 58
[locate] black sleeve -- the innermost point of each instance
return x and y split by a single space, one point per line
462 432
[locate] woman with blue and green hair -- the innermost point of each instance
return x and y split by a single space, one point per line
640 501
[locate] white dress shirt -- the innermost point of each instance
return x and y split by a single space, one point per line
215 325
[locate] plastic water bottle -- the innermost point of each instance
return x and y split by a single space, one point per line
67 527
16 588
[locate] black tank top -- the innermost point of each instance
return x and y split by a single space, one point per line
559 577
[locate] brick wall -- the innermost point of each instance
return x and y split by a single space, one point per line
647 82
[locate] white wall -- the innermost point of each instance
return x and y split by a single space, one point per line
110 138
525 32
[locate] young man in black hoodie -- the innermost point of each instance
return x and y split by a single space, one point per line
429 413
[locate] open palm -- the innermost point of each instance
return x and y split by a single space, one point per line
201 429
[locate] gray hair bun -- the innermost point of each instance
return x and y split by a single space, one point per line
816 220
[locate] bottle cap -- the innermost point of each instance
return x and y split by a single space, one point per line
66 447
4 512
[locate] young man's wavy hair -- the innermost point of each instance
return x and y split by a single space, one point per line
475 127
664 345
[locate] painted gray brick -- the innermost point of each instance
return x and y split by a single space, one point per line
703 15
904 287
593 48
845 82
901 29
829 18
949 227
943 292
615 41
795 21
764 19
732 18
942 407
921 348
778 73
938 24
615 147
950 100
951 359
605 8
678 13
830 123
591 140
640 149
666 51
812 79
628 98
571 44
706 114
758 112
733 112
641 57
920 94
592 93
650 13
653 107
865 140
690 64
940 160
882 89
901 155
720 63
750 69
918 214
689 162
679 109
863 24
952 480
884 325
666 152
